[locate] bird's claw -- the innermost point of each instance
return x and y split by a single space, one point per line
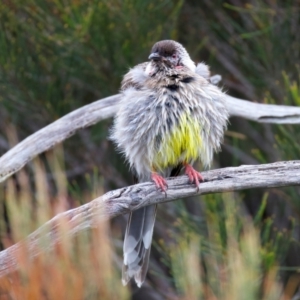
193 175
159 181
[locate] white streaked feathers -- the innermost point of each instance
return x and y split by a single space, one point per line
143 116
203 70
156 97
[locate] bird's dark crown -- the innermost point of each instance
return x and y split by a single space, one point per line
165 48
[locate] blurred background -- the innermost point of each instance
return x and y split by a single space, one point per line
58 55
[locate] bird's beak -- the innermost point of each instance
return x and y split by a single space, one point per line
154 56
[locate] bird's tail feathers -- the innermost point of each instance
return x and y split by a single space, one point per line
137 244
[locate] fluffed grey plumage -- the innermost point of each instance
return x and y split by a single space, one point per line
159 98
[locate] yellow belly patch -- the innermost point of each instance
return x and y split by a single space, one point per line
182 144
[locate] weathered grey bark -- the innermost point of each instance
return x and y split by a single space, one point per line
129 198
58 131
263 113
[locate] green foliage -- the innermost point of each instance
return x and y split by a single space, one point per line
59 55
227 260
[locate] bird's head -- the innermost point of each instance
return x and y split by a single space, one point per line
172 54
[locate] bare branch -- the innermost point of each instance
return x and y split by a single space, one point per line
58 131
263 113
121 201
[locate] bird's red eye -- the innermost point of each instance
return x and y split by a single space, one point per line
174 55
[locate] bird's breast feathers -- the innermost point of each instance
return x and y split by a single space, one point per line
181 143
175 118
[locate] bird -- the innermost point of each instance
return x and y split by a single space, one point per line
170 115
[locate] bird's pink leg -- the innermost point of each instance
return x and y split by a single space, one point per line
159 181
194 176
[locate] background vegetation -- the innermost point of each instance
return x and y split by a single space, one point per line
59 55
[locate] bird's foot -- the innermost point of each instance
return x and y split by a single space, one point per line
159 181
194 176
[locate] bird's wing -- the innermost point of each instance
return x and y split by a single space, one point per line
135 77
203 70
